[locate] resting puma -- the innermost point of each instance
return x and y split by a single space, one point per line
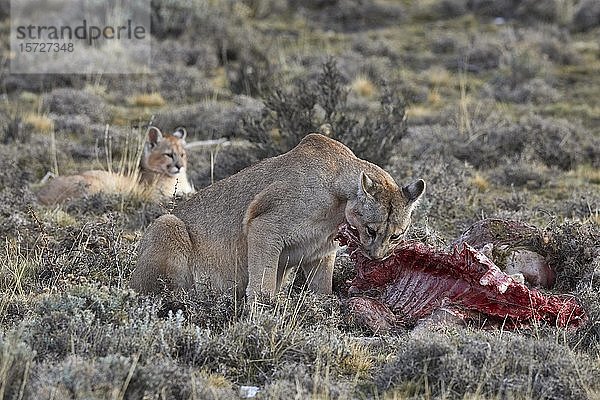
247 231
162 170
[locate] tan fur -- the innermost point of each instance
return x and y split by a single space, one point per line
247 231
162 173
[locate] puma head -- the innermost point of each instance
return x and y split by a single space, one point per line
380 214
165 154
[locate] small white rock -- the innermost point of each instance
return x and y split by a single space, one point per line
248 392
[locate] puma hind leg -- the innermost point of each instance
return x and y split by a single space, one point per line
163 261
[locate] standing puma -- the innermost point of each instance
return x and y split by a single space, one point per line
162 170
247 231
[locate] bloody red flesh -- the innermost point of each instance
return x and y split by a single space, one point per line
416 280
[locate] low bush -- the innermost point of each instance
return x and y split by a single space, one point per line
479 56
519 172
16 361
554 142
536 91
12 128
587 16
350 15
487 364
289 115
573 251
77 102
209 119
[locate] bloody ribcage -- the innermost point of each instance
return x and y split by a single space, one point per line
416 280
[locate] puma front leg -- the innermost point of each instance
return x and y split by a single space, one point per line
319 274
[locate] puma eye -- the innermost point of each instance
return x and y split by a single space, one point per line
170 155
396 237
372 232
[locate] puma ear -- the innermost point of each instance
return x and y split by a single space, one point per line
413 191
367 185
154 136
180 133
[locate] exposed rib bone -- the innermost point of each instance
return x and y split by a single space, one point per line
418 280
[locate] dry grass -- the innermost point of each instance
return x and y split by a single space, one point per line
363 87
124 174
565 11
127 171
216 380
148 100
421 111
587 173
463 112
434 98
219 79
439 77
18 263
359 362
480 182
58 217
39 122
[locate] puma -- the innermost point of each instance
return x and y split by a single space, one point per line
162 171
246 232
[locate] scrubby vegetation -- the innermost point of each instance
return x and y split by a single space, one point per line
494 103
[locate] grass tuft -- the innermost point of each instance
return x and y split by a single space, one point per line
148 100
363 87
40 123
480 182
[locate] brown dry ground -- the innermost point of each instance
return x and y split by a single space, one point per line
503 108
